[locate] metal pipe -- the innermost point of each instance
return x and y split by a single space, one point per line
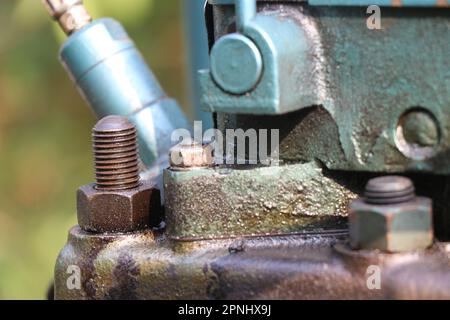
114 79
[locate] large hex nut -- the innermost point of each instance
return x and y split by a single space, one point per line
117 211
392 228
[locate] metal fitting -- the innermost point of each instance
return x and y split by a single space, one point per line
71 14
118 201
236 62
236 77
391 218
190 156
113 77
418 134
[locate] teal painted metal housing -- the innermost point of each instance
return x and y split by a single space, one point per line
245 12
198 55
114 79
270 88
236 63
368 100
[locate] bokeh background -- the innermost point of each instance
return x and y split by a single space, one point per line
45 127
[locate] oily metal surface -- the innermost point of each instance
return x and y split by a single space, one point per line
227 202
149 266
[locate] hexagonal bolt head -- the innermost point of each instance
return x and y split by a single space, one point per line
118 211
188 156
398 227
71 14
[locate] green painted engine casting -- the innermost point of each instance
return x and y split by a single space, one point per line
353 88
227 202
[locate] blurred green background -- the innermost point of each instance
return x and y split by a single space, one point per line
45 128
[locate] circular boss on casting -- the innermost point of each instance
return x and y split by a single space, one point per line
236 64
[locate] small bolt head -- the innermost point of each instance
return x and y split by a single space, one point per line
389 190
389 184
113 124
189 156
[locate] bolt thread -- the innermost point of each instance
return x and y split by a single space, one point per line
116 154
389 190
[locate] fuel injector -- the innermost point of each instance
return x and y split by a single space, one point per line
114 79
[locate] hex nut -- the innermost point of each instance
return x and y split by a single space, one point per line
117 211
391 228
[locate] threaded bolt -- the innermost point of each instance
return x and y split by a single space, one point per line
116 154
389 190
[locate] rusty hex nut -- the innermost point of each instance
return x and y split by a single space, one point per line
186 156
391 228
117 211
